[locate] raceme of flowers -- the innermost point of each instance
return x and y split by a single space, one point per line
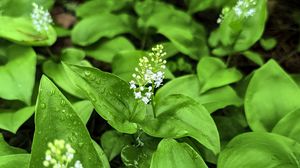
149 74
242 9
60 155
40 18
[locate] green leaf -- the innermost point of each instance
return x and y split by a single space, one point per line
111 97
198 6
254 57
72 55
20 30
179 116
17 76
271 94
189 85
289 126
88 8
11 120
107 50
124 62
58 74
260 150
219 98
268 44
55 118
213 73
113 142
170 153
17 8
6 149
84 109
187 35
14 161
239 34
88 31
139 154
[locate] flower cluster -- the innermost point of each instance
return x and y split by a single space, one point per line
60 154
149 74
40 18
242 9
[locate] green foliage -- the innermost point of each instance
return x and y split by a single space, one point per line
104 91
260 150
236 34
220 96
55 118
88 31
179 116
271 94
17 76
169 153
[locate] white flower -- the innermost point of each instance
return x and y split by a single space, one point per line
59 155
40 18
148 74
78 164
242 9
145 100
138 95
132 84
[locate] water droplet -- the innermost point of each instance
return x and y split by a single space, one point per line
62 102
80 144
98 81
43 105
93 98
52 92
87 73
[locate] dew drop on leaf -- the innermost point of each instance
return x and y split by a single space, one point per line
87 73
62 102
43 105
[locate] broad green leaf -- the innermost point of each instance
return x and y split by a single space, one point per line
113 142
20 30
179 116
88 8
254 57
271 94
219 98
213 73
88 30
239 34
57 73
17 8
84 109
124 63
289 126
6 149
263 150
170 153
11 120
268 44
179 27
15 161
72 55
17 76
107 50
198 6
55 118
111 97
140 153
189 85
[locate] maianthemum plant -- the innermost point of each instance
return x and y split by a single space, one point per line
211 115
